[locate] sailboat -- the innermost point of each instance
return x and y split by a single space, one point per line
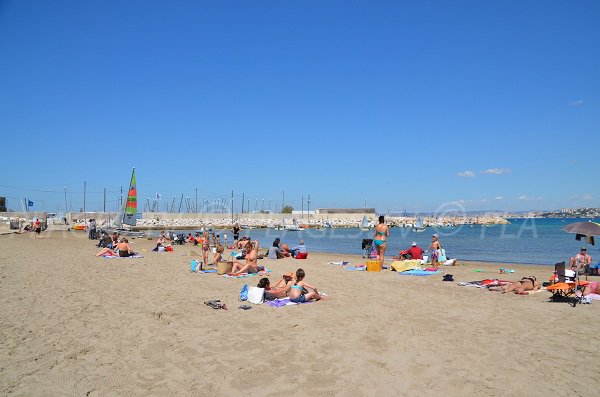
127 215
365 224
419 225
294 227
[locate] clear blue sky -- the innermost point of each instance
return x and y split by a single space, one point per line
343 100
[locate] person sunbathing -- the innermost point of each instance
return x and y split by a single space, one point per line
122 249
299 292
529 283
592 288
278 290
251 265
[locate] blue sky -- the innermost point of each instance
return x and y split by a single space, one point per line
407 105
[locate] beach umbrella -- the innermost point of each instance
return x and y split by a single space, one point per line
584 229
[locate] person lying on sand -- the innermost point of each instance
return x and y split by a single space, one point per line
251 265
278 290
592 288
529 283
299 292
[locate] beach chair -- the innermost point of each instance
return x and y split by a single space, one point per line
565 290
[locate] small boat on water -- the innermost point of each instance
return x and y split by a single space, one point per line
419 228
294 227
365 225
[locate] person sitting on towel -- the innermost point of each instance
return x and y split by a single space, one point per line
414 252
278 290
275 252
299 249
251 265
299 292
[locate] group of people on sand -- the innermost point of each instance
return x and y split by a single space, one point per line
120 248
280 250
437 254
291 286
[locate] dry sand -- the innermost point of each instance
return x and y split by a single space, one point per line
73 324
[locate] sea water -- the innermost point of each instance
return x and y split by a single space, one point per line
532 241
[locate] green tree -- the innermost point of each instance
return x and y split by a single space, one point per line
287 209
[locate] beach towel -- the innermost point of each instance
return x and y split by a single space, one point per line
402 266
341 263
283 302
136 256
359 268
245 275
484 283
417 272
208 271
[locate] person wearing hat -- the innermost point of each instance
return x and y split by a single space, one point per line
433 250
415 251
299 251
581 260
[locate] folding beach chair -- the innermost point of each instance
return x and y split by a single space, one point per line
565 290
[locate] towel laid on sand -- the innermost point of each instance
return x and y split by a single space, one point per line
359 268
283 302
417 272
121 257
245 275
402 266
341 263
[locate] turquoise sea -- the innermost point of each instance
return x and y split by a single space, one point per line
534 241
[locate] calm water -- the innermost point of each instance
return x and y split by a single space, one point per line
536 241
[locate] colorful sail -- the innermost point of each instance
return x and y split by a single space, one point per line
131 203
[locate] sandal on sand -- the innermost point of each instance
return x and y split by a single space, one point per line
215 304
245 307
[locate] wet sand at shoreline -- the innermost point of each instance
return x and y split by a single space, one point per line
75 324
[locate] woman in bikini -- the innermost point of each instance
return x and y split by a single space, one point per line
529 283
205 247
251 265
299 292
382 232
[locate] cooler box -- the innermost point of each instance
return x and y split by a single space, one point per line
373 266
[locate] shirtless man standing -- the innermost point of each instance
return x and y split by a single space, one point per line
433 250
251 265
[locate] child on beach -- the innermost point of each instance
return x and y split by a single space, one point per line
219 254
299 292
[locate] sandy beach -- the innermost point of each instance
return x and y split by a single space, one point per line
73 324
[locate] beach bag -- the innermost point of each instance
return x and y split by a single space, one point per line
244 292
442 255
256 295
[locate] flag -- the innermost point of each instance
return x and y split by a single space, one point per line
29 203
158 196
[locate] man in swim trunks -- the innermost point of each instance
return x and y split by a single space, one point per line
251 265
581 260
